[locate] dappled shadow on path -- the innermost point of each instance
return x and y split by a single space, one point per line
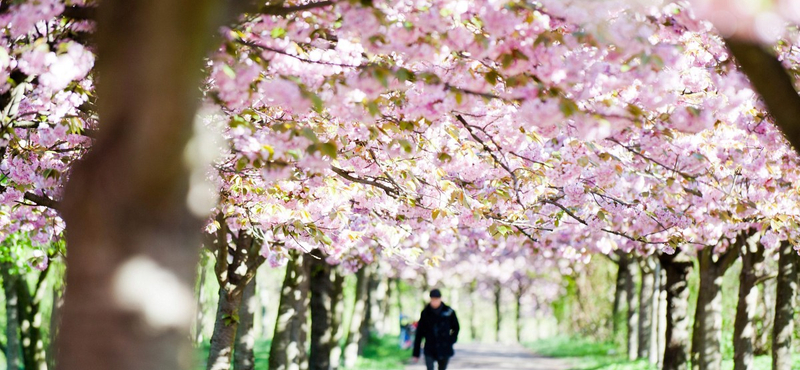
478 356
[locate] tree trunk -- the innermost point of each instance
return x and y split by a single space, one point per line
366 322
55 324
743 328
288 350
243 354
766 316
473 325
518 315
234 278
389 320
377 296
619 296
28 309
676 351
13 344
132 238
224 336
201 297
632 322
497 313
663 307
337 317
647 293
351 348
659 316
707 329
783 329
321 288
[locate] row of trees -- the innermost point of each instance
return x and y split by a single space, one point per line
375 129
651 306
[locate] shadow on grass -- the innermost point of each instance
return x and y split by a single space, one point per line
587 354
383 353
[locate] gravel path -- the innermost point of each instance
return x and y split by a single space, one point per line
479 356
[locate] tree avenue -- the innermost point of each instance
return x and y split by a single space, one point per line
500 143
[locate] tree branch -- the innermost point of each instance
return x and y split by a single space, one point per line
347 175
80 13
39 200
772 83
286 10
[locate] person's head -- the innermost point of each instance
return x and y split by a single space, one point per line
436 298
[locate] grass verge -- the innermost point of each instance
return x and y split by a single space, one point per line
591 355
383 353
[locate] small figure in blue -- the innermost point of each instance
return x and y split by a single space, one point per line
406 332
438 325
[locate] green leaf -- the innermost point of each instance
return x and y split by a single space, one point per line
278 32
492 77
242 163
329 149
382 75
372 107
568 107
309 134
228 71
405 144
403 75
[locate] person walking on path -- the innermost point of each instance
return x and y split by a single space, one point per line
438 324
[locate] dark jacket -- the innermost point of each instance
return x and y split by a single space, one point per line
440 330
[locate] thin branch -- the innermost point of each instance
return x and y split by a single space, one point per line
286 10
347 175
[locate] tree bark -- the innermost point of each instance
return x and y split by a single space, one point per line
632 322
389 320
707 330
498 291
125 205
676 351
243 354
619 295
663 307
351 348
783 329
647 294
473 325
55 324
34 356
13 348
518 315
233 278
288 350
659 316
321 288
377 296
765 317
337 317
225 325
201 297
744 328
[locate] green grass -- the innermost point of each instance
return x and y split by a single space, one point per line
592 355
587 355
383 353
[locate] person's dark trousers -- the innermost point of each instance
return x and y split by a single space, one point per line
442 362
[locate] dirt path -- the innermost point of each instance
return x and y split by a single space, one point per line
480 356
